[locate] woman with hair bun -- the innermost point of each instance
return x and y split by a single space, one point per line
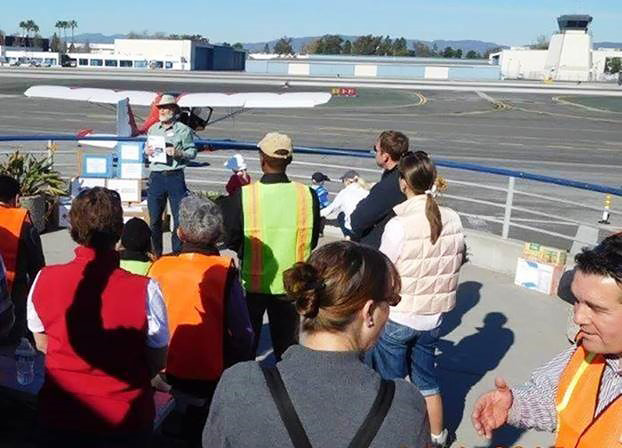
321 394
426 243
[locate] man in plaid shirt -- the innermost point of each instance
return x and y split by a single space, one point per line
578 394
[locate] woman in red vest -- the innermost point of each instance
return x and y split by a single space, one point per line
104 332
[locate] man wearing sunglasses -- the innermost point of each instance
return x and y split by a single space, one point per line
373 212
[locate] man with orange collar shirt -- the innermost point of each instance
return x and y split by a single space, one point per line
20 247
578 393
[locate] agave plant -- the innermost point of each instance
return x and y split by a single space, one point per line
35 176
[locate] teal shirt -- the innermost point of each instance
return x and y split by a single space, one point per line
180 136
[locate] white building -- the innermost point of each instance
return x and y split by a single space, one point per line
570 56
161 54
28 56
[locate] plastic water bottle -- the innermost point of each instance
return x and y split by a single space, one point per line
25 362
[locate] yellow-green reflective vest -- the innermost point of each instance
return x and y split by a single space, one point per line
278 227
136 267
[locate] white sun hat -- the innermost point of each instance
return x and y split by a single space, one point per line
236 163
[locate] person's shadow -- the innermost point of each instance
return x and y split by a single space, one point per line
462 365
467 296
107 346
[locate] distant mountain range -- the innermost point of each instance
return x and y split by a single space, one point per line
299 42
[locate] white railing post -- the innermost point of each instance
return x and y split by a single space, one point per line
508 208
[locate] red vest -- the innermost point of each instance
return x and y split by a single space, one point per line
96 374
11 221
194 288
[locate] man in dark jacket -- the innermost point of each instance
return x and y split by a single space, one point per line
21 250
373 212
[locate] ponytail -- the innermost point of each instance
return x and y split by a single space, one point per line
433 213
420 175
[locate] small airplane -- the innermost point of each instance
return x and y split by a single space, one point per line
191 106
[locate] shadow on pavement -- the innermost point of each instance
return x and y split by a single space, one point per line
464 364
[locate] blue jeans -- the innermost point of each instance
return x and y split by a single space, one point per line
165 185
402 351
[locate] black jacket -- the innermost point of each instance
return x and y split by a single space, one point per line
234 218
373 212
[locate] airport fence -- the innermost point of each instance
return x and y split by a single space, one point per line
524 214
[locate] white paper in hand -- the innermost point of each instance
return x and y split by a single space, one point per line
158 144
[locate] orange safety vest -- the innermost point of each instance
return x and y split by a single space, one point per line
194 288
11 221
577 398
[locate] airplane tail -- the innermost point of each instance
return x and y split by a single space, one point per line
126 123
152 118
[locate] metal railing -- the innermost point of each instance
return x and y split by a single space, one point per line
508 206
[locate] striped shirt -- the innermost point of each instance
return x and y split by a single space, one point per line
534 402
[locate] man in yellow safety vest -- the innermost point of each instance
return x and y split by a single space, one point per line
272 224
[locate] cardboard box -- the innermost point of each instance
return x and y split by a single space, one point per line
130 152
96 165
79 184
542 277
130 190
132 170
545 254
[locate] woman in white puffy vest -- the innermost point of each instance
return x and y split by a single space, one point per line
426 243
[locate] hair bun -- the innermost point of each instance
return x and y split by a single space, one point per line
304 285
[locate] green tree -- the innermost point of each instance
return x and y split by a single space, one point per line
400 47
448 52
472 54
72 24
310 47
490 51
366 45
458 53
28 26
347 47
37 40
55 43
541 43
266 48
330 44
238 46
422 50
384 47
613 65
284 46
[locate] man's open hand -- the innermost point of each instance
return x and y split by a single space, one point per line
491 409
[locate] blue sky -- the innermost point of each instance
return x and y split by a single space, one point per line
502 21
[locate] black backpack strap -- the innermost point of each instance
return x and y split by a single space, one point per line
286 408
368 430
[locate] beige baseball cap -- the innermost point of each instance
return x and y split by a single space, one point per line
273 142
166 100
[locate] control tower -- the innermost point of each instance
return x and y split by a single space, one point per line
570 50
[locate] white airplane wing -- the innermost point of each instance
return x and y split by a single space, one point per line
143 98
254 100
107 96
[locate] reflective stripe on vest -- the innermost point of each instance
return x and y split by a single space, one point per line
278 227
135 266
11 222
194 288
576 403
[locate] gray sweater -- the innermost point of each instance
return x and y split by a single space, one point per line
332 393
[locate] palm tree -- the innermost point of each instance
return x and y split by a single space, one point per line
73 25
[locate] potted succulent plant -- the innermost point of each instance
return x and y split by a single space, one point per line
39 182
